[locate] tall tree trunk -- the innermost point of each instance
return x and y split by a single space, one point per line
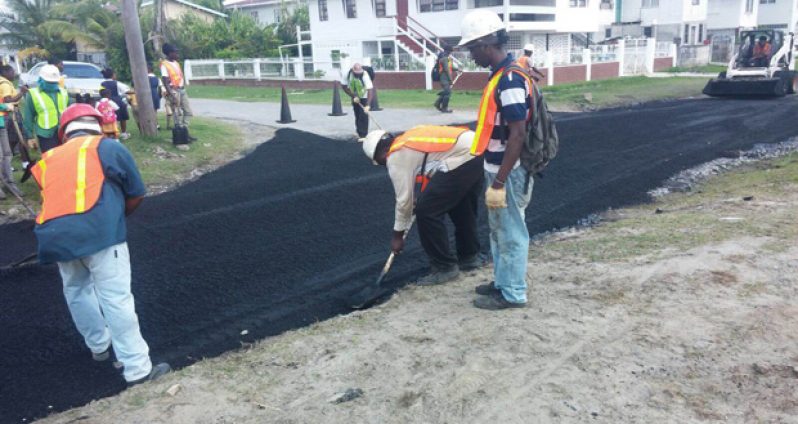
138 67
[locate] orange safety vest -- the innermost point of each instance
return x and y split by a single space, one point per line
449 65
523 62
488 107
175 73
71 178
427 139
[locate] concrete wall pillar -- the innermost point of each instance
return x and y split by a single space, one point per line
587 59
550 67
621 56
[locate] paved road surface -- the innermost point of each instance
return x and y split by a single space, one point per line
282 237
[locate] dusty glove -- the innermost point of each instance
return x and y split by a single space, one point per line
33 144
9 107
496 198
355 99
367 108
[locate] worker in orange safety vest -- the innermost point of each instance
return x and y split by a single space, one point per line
174 81
439 158
89 183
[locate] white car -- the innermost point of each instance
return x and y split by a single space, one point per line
81 78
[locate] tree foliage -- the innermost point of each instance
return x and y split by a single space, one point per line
239 36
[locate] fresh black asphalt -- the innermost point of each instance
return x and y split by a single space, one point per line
282 238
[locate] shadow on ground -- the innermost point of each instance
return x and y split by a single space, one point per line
283 237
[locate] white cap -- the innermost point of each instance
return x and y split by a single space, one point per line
478 24
85 123
50 73
370 143
529 47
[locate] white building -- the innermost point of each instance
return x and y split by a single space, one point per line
725 20
680 21
397 34
780 14
266 12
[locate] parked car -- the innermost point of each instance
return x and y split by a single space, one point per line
81 78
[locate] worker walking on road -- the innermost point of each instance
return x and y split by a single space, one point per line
89 184
175 84
357 85
446 71
44 105
451 179
500 136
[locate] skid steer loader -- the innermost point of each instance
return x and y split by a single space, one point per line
747 75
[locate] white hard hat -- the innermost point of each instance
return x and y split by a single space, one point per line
50 73
478 24
370 143
529 47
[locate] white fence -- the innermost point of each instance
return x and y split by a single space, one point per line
635 57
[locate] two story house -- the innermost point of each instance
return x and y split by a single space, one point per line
678 21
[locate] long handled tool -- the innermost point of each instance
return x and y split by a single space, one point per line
371 117
374 292
21 200
23 152
32 257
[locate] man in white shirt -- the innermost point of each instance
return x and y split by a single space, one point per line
357 85
175 83
451 178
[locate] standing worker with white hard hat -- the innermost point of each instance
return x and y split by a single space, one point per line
44 105
525 62
357 84
500 136
89 183
438 158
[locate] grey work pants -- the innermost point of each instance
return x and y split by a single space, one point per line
181 107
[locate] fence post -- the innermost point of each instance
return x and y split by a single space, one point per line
651 54
220 66
674 51
187 71
256 69
299 69
587 59
429 63
620 56
549 67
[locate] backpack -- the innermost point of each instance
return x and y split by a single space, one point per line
436 71
107 112
542 141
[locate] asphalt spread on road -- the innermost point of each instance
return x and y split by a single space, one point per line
283 237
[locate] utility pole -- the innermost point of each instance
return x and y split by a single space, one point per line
157 30
138 67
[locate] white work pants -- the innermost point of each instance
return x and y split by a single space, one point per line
97 291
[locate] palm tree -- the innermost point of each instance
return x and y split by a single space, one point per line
24 26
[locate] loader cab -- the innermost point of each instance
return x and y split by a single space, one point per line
748 41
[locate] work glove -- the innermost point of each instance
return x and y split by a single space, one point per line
367 108
33 144
356 100
9 107
496 198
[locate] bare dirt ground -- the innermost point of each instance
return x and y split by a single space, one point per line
678 311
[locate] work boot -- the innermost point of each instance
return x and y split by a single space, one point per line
157 372
102 356
486 289
437 104
439 276
475 262
496 302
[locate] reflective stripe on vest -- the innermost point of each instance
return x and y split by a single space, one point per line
428 139
47 112
488 108
175 74
71 178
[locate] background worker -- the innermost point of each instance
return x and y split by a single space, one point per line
5 153
357 85
500 136
525 62
44 105
447 70
82 229
175 84
762 52
451 185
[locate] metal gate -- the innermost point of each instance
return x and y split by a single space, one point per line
634 59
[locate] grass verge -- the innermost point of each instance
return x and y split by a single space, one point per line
592 94
160 163
711 69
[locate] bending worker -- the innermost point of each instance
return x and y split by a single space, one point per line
357 85
44 105
89 184
451 181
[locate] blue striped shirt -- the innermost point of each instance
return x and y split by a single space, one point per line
513 94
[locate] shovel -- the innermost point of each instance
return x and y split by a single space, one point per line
370 294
